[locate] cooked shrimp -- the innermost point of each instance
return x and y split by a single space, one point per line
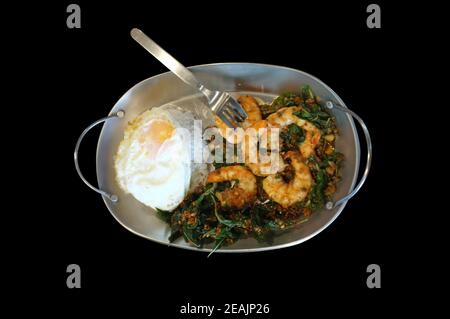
241 193
250 106
267 165
227 133
260 164
285 116
289 193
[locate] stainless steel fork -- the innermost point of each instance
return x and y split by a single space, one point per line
221 103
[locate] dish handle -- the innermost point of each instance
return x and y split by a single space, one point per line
330 205
111 197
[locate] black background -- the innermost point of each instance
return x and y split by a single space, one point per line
87 70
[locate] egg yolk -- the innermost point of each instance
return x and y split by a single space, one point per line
155 134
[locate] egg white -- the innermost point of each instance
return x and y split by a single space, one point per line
160 180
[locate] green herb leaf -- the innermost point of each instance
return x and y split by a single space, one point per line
292 137
164 215
317 193
217 246
307 93
227 222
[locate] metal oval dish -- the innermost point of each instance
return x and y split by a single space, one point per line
263 81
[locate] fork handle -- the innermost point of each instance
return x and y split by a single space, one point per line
169 61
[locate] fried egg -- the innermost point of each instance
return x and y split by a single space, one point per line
153 161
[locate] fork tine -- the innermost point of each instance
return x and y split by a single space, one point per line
231 115
237 115
241 117
225 119
239 110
